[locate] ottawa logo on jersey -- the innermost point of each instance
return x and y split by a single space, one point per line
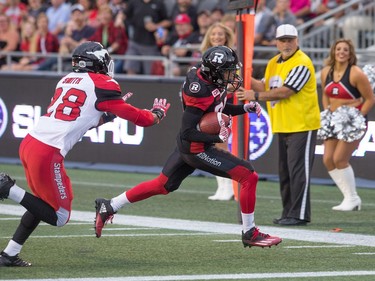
194 87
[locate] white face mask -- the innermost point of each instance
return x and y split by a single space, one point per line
111 68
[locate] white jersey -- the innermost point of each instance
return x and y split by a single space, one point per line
73 110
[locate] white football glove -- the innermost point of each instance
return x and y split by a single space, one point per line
252 106
224 131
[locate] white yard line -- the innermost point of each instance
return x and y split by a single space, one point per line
243 276
206 228
212 227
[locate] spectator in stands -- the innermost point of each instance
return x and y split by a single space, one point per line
93 19
76 32
144 18
117 6
217 14
3 4
58 15
357 25
301 9
210 5
177 42
9 37
229 20
90 12
185 7
204 22
265 29
16 10
46 43
270 4
265 26
35 7
218 34
28 44
112 37
282 14
28 36
344 86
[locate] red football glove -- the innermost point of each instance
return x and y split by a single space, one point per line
224 131
160 108
253 107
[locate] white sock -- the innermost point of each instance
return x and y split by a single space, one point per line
120 201
247 221
13 248
16 193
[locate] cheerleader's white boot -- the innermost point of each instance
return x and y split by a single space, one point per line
224 190
345 181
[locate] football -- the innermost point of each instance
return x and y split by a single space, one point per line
210 122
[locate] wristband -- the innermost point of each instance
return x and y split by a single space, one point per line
256 96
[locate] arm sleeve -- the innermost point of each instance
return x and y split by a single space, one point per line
233 109
140 117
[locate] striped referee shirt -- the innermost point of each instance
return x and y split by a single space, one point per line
299 112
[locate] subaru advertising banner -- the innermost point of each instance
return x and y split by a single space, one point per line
24 98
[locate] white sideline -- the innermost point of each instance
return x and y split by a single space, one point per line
212 227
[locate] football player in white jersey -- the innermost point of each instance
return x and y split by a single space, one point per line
84 98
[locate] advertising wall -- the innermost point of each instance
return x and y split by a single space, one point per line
23 99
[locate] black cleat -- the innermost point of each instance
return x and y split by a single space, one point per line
5 184
104 213
6 260
254 237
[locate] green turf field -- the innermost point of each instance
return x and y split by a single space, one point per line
155 250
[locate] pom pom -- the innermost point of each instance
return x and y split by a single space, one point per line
348 123
326 128
369 70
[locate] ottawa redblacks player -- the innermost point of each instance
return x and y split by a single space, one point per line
204 90
83 99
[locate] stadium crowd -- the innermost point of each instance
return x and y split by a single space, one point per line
133 28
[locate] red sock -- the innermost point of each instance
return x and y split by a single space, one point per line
248 181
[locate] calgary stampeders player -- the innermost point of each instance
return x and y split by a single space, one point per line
84 98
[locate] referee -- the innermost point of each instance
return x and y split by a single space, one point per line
290 89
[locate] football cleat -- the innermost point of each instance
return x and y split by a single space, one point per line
5 184
6 260
255 238
104 213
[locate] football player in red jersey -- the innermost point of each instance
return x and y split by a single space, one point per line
204 90
84 98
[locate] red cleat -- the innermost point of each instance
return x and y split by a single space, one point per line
255 238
